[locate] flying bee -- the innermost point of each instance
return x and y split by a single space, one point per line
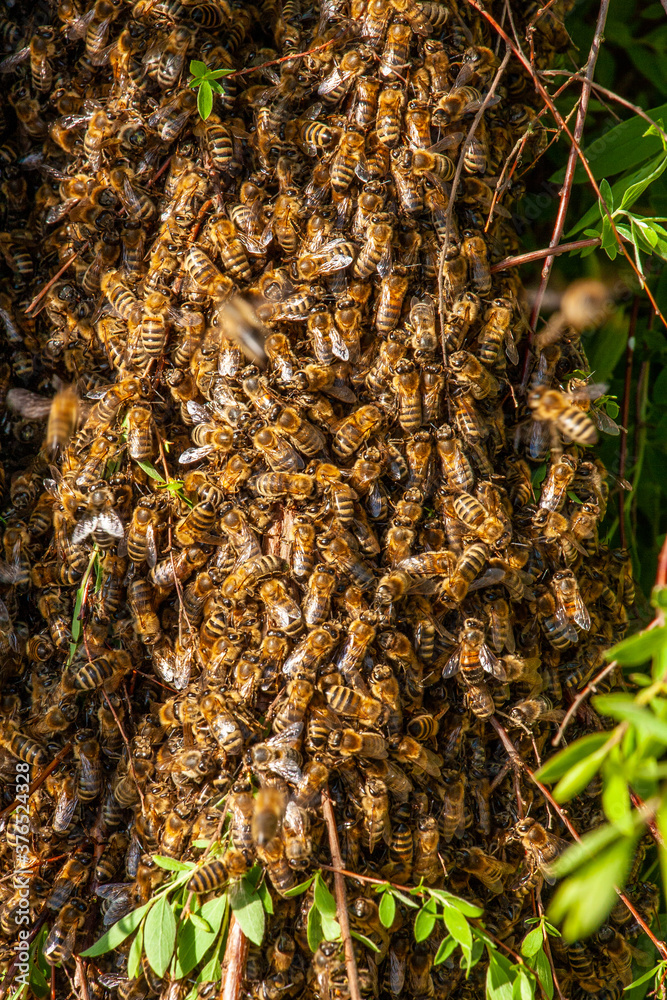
62 412
562 417
541 847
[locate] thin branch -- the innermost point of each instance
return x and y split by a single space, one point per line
566 190
127 746
527 258
276 62
452 196
80 976
40 295
233 964
341 897
581 697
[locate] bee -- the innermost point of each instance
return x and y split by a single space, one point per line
73 873
348 161
541 847
277 864
348 702
101 520
171 117
491 872
338 82
59 943
570 608
172 57
533 710
396 51
212 875
316 603
407 385
495 332
473 657
142 536
366 94
278 755
500 622
563 419
140 602
89 772
21 746
393 289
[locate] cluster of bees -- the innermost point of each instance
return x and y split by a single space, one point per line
281 531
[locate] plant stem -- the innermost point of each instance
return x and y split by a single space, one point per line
233 964
341 897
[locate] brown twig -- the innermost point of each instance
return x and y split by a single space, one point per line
625 414
566 190
276 62
80 974
639 803
40 295
661 575
452 195
341 897
526 258
581 697
41 778
233 964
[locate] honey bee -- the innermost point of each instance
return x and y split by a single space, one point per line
563 419
59 943
339 81
278 755
541 847
348 702
570 608
355 430
491 872
473 657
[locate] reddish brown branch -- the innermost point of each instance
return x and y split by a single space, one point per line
40 779
341 897
233 964
526 258
40 295
581 697
566 190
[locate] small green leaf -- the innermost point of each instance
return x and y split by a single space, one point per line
314 929
590 846
265 896
561 763
151 471
532 942
616 797
642 178
217 73
607 195
523 987
620 706
324 901
198 68
584 901
330 927
425 921
171 865
366 941
543 970
498 983
204 100
458 927
160 936
134 954
638 648
118 932
447 946
298 890
643 979
199 922
462 905
248 910
387 910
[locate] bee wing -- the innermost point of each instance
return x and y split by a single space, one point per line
495 574
288 737
338 345
453 139
15 59
194 454
110 522
563 619
431 762
331 81
491 663
29 404
8 574
604 422
129 198
589 392
78 27
384 263
182 667
84 528
64 811
510 348
288 769
151 546
340 391
200 414
397 970
374 501
452 665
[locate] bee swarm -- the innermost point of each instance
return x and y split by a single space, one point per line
280 533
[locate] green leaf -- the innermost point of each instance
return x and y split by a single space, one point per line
160 936
324 901
425 921
204 100
151 471
620 706
198 68
498 983
213 912
364 940
643 979
642 178
543 970
578 854
661 821
387 910
265 896
118 932
330 927
197 934
447 946
314 929
134 954
248 910
462 905
171 865
298 890
532 942
584 901
608 240
217 73
607 195
618 149
638 648
616 797
199 922
523 987
458 927
579 775
561 762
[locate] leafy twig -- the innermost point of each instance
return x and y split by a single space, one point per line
341 897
